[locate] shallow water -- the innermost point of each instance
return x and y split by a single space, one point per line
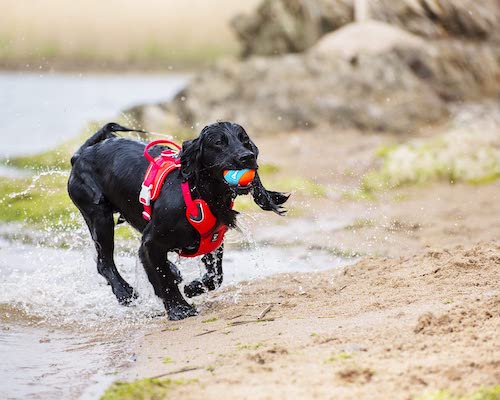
45 109
60 331
41 364
63 332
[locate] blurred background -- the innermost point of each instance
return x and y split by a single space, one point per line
381 117
116 35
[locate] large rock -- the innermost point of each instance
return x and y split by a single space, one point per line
458 70
454 69
345 86
290 26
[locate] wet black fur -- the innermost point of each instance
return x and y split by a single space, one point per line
106 177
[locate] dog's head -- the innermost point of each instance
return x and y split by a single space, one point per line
226 146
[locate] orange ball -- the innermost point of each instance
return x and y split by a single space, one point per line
242 177
247 177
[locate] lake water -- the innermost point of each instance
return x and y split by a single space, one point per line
62 332
38 111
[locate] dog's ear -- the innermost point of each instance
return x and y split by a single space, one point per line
191 158
267 199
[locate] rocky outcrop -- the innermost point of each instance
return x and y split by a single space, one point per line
372 76
301 91
291 26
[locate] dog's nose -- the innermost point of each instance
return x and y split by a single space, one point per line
247 157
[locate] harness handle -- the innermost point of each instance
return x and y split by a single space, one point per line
157 142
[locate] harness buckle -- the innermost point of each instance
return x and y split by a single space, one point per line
145 195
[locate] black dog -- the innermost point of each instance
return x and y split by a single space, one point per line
106 178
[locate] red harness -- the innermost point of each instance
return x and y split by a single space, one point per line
197 211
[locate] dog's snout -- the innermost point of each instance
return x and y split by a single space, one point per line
247 157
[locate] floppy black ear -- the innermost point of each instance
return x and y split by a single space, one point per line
191 158
267 199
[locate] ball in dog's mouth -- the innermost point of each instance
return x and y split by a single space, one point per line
239 177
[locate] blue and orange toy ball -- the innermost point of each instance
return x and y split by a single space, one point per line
239 177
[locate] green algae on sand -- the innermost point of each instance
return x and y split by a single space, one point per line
488 393
143 389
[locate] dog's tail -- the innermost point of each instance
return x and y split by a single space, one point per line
106 132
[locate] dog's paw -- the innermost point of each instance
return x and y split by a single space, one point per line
125 295
181 311
278 198
195 288
176 273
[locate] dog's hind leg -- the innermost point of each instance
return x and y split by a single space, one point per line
101 225
99 219
163 277
212 279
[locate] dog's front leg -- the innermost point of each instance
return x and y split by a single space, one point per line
163 278
212 279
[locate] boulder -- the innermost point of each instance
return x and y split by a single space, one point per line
455 69
345 86
458 70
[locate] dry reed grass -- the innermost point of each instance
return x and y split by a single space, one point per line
117 32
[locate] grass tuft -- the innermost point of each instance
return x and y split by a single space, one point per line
144 389
250 346
337 357
471 157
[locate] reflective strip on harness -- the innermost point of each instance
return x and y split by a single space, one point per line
156 174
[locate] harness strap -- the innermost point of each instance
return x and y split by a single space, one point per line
149 157
186 193
150 191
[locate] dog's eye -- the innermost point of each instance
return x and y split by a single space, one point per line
218 141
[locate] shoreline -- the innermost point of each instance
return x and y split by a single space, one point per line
75 67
